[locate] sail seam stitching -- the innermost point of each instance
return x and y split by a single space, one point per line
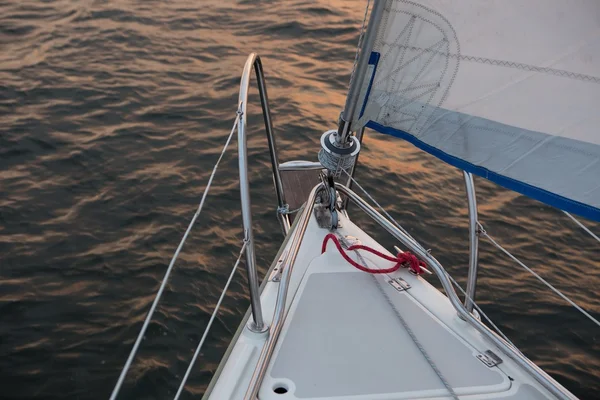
510 64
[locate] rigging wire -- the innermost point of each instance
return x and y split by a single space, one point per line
163 284
532 272
582 226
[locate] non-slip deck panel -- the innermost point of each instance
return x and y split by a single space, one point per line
297 186
344 339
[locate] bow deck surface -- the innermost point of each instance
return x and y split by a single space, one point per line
342 338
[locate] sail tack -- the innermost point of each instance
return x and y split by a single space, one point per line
508 90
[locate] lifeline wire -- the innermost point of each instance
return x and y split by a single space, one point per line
136 345
208 326
582 226
532 272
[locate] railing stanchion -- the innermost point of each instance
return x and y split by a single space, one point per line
545 380
284 219
473 241
253 61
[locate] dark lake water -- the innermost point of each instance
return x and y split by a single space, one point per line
112 114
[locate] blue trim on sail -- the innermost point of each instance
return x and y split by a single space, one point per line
542 195
373 60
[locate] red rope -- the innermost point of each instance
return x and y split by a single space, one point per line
414 263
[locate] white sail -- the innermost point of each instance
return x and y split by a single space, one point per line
505 89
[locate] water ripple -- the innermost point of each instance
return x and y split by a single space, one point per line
111 117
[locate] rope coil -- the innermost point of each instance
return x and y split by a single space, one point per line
406 258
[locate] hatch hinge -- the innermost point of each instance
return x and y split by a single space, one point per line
489 358
399 284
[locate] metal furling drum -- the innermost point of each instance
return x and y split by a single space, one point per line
337 156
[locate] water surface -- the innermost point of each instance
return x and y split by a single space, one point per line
112 114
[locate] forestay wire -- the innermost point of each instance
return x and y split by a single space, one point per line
163 284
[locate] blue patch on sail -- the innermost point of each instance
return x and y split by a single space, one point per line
374 61
542 195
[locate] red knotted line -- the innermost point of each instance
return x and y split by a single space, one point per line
414 263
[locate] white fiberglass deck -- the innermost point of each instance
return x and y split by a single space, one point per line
342 338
